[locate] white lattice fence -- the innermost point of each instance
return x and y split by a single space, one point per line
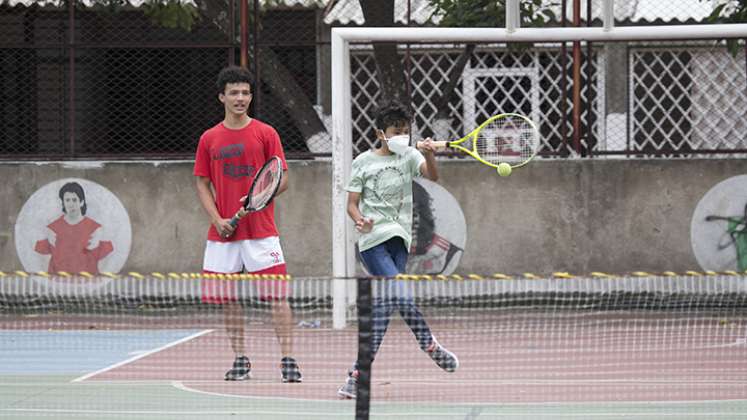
495 80
719 100
687 99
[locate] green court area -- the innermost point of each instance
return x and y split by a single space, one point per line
44 397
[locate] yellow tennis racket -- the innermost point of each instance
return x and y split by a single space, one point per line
503 138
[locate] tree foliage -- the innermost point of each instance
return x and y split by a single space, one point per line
733 11
173 14
491 13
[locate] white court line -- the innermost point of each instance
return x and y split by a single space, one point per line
171 413
739 342
642 348
179 385
450 382
542 381
307 414
141 355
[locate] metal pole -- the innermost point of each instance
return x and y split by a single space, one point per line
608 14
513 20
589 84
257 98
232 34
244 44
564 86
577 80
71 75
408 69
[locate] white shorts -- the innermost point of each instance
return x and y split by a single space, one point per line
251 255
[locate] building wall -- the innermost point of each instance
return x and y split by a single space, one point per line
564 215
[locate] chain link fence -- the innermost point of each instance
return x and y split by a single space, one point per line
134 79
96 81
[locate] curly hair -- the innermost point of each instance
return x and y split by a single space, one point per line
233 74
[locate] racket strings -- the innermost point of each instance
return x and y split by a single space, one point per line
265 186
506 139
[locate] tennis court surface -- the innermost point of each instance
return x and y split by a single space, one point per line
571 347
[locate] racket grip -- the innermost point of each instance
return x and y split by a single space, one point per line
234 220
436 144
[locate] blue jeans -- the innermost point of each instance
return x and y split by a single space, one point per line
387 260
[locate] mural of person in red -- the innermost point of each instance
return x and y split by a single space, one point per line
74 239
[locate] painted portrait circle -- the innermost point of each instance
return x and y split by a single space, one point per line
439 230
73 225
718 231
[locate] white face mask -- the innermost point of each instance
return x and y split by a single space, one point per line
398 144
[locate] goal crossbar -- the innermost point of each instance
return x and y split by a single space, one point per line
568 34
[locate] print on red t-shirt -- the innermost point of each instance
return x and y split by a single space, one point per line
230 158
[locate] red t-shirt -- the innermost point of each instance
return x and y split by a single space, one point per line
230 159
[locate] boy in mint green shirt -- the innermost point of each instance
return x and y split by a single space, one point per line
380 203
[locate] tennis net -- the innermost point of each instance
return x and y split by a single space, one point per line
153 346
633 344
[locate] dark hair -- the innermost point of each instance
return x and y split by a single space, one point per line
233 74
75 188
392 114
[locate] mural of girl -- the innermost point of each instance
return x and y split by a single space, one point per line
72 225
74 239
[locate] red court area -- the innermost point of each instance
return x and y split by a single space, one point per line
512 358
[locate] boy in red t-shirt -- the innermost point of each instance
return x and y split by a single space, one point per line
227 158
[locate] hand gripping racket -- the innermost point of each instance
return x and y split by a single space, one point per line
263 188
504 138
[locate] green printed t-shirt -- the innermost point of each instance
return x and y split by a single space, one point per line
385 184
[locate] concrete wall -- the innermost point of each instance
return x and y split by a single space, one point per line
564 215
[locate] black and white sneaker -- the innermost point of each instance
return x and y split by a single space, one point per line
445 359
241 370
349 389
290 371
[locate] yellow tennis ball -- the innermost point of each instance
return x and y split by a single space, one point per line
504 169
